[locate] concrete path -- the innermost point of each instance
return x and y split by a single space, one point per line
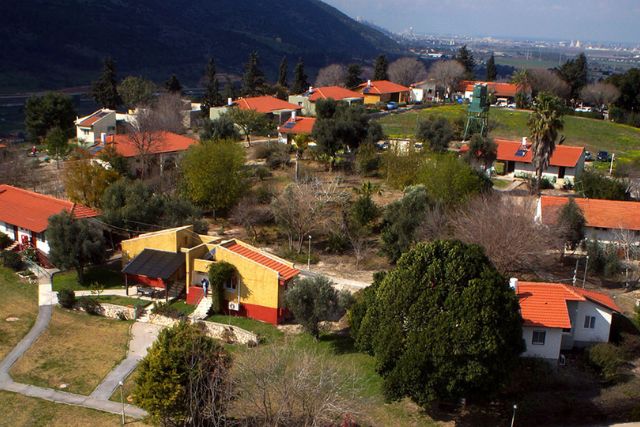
339 282
142 336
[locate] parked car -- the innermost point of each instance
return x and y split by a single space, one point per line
603 156
588 156
583 110
392 105
512 105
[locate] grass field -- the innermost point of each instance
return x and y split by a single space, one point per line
77 349
505 123
106 277
22 411
20 301
265 331
527 63
127 389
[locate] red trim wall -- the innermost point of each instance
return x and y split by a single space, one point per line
194 295
133 279
257 312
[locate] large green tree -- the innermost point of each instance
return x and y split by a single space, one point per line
251 122
300 82
575 72
57 144
136 92
220 128
105 89
253 81
340 126
173 85
74 243
483 151
594 185
571 224
184 380
353 78
211 97
43 113
436 131
283 72
442 325
465 58
311 301
380 68
545 124
212 174
492 71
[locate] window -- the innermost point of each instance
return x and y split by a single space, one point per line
85 132
589 322
231 284
538 337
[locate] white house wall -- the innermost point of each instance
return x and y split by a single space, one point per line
584 336
7 229
551 347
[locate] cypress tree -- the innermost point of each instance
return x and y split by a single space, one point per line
353 76
212 97
105 89
380 71
229 90
173 84
465 57
253 80
300 83
492 72
282 75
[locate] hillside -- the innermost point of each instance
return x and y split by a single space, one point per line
49 43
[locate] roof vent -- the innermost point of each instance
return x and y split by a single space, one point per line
524 141
368 83
513 283
229 102
310 89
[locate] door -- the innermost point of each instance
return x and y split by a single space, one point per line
561 172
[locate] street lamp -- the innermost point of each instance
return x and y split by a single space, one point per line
309 254
513 418
122 398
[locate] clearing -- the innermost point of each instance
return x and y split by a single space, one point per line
18 309
77 349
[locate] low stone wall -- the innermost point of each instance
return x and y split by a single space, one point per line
230 334
160 320
112 311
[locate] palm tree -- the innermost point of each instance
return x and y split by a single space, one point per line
545 123
521 79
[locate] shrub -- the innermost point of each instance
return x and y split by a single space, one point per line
337 243
311 301
67 298
603 259
220 273
264 194
594 185
11 260
5 240
260 172
499 168
606 358
164 309
90 305
368 161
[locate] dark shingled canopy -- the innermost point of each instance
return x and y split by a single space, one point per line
153 263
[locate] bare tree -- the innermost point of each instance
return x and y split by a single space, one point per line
504 226
447 75
600 94
169 112
146 136
627 244
250 214
405 71
332 75
542 80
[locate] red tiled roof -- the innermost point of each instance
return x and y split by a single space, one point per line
91 119
284 271
545 304
614 214
31 210
301 126
500 89
168 142
265 104
563 155
334 92
379 87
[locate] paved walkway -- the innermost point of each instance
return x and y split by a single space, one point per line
339 282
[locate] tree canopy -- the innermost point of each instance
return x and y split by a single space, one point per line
545 124
380 68
173 85
43 113
575 73
300 82
283 72
136 91
353 78
492 71
465 58
311 301
211 97
442 325
221 128
105 89
340 126
85 181
253 81
436 131
594 185
571 224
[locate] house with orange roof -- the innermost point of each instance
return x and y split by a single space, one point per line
560 317
24 215
377 91
308 99
424 91
506 91
93 127
605 220
276 109
295 126
178 261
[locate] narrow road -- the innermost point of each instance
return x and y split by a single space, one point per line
339 282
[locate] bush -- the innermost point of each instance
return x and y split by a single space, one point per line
260 172
337 243
368 161
67 298
90 305
5 241
499 168
435 131
164 309
311 301
11 260
264 194
603 259
594 185
606 358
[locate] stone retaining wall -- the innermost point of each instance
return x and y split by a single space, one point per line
230 334
113 311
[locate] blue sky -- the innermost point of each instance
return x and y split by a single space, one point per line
607 20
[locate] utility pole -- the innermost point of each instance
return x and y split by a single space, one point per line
513 418
122 398
309 254
613 155
584 278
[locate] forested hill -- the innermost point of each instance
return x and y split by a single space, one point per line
60 43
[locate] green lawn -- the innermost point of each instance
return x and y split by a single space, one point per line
265 331
119 300
506 123
107 277
500 183
19 304
183 307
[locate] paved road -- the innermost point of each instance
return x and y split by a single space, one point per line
339 282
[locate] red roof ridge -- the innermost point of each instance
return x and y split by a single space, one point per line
269 261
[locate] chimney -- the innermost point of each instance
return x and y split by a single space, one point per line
513 284
103 138
310 89
293 116
524 141
229 102
368 83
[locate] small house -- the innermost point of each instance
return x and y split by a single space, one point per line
308 99
384 91
277 110
91 128
295 126
424 91
499 90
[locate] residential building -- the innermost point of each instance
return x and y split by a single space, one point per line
504 91
295 126
384 91
24 215
605 220
276 109
91 128
256 290
308 99
560 317
424 91
164 150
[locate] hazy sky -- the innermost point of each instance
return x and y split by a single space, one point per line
609 20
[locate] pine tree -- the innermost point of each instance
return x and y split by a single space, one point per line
492 72
380 72
253 80
105 89
212 97
300 83
282 75
173 84
229 90
465 57
353 76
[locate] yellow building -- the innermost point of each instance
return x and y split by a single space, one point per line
383 91
257 290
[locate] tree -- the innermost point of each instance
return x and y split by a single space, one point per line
405 71
212 174
575 73
145 135
600 94
130 204
212 97
545 123
250 122
283 71
250 214
629 86
446 74
74 243
400 221
117 162
339 126
136 92
43 113
332 75
571 224
492 71
594 185
435 131
380 69
253 81
465 58
311 301
167 113
442 325
353 79
185 378
57 144
300 83
105 89
221 274
542 80
86 181
482 151
229 90
173 85
219 129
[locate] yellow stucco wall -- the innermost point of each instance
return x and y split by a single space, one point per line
166 240
371 99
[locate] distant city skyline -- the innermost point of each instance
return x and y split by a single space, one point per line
601 20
